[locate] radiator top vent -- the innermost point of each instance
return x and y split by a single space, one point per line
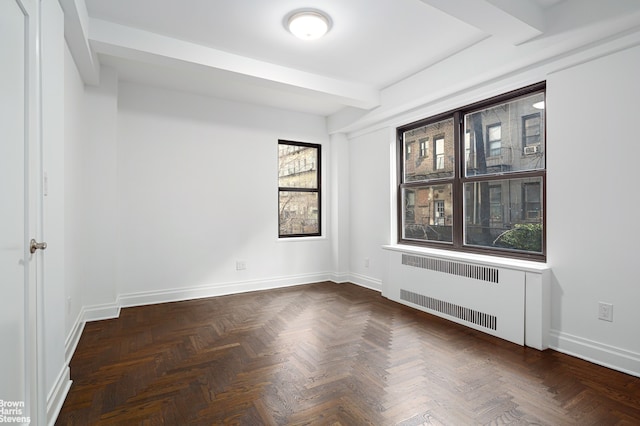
477 272
457 311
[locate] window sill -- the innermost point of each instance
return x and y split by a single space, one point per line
300 239
503 262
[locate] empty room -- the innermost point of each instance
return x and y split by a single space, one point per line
384 212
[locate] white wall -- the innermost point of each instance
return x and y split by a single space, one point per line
90 196
197 188
100 198
157 206
592 225
75 134
339 194
369 171
592 229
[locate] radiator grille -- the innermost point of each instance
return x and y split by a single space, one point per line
457 311
477 272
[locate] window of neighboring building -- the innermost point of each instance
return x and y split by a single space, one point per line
481 193
467 146
439 149
531 132
494 138
423 146
532 199
439 212
495 202
298 189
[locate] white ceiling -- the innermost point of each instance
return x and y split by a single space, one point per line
240 50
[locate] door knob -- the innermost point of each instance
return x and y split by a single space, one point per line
34 245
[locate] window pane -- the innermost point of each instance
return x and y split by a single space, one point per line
299 213
297 166
504 214
506 138
435 157
428 213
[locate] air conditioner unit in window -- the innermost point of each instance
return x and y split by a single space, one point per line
531 149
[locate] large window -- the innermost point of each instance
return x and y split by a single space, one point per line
298 189
483 190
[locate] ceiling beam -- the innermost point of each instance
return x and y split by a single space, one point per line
135 44
76 20
515 21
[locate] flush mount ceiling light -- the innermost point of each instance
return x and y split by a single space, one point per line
308 24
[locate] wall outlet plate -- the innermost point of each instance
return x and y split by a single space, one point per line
605 311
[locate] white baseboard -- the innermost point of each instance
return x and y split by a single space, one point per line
58 393
596 352
340 277
365 281
86 314
73 338
220 289
101 312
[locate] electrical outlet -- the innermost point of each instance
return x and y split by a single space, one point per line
241 265
605 311
366 262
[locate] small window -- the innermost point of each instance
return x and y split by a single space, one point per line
298 189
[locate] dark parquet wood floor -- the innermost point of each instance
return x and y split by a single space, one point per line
330 354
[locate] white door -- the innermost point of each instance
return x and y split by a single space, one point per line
18 210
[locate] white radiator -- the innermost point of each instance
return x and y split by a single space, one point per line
487 297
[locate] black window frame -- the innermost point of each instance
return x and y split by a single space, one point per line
459 179
317 189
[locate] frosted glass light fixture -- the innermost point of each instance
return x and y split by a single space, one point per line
308 24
